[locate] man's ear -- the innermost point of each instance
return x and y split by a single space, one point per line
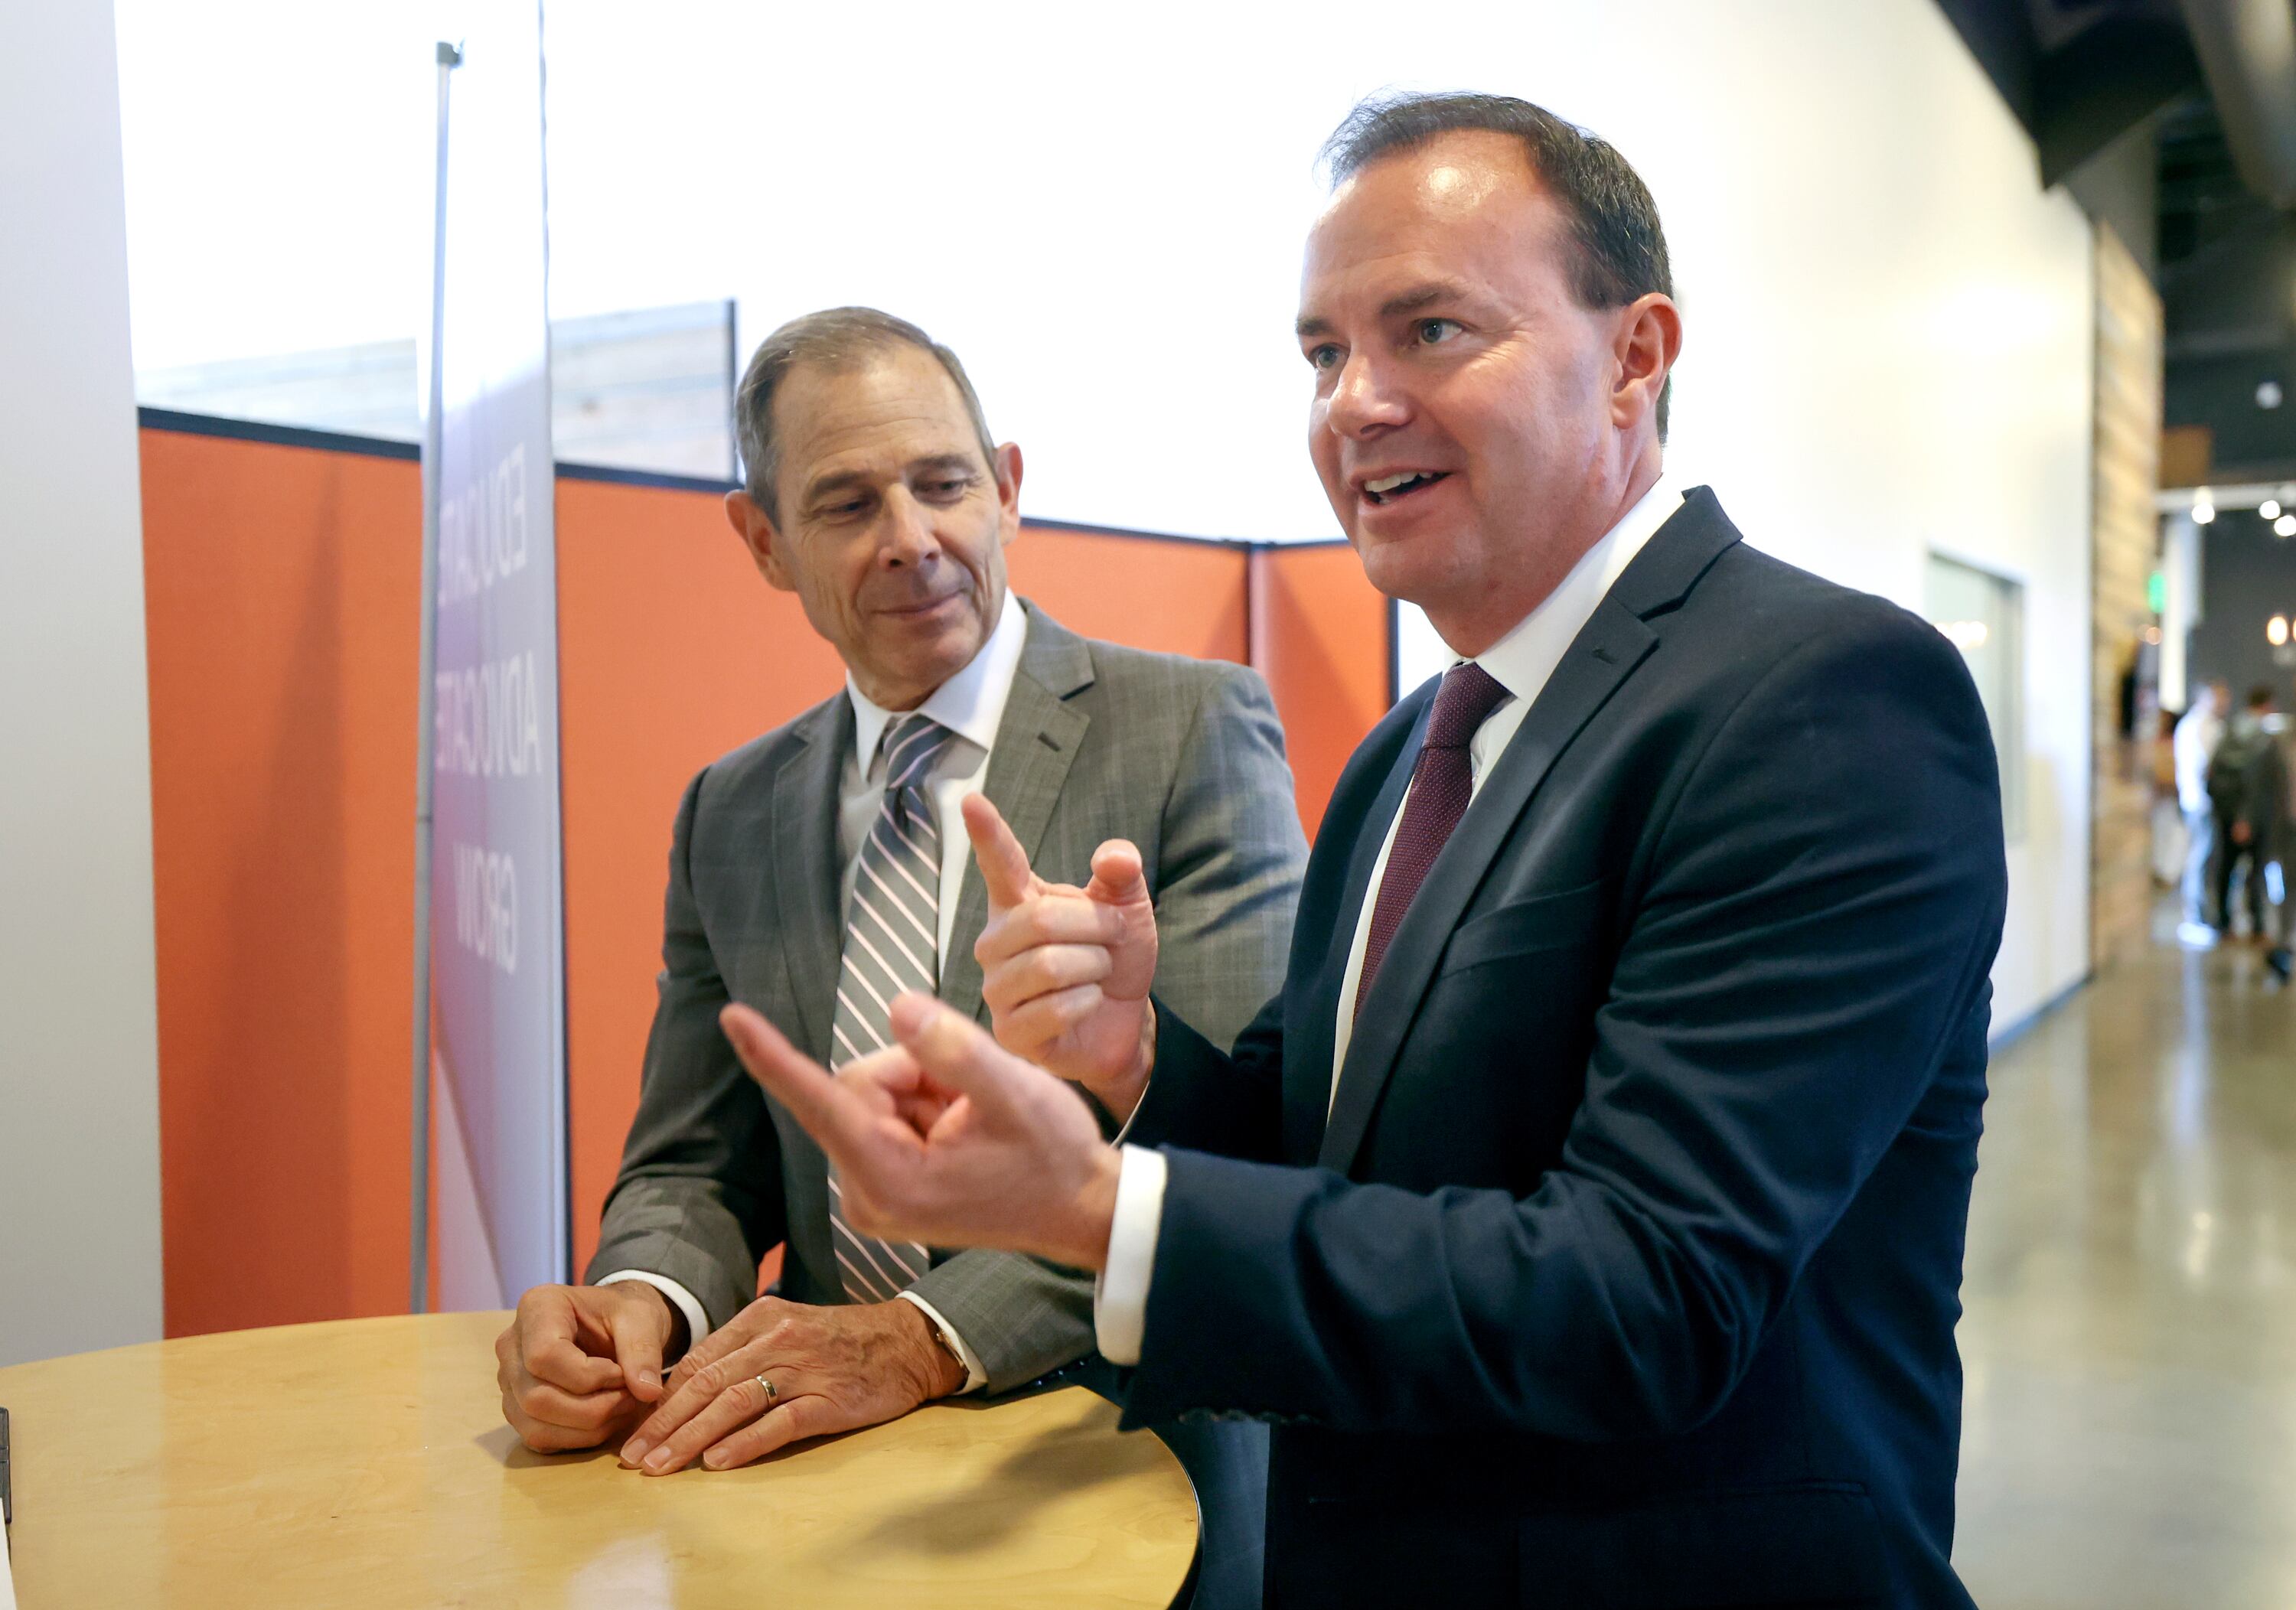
1649 341
755 528
1007 466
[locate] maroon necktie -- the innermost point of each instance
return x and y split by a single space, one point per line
1441 782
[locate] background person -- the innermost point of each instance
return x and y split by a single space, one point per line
2240 802
1588 1212
2198 733
820 870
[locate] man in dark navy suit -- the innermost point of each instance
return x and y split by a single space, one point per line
1587 1210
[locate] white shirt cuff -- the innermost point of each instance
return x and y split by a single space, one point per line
697 1323
1120 1297
975 1376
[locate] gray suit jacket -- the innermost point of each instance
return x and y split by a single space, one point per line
1184 757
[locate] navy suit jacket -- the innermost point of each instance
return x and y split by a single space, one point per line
1625 1267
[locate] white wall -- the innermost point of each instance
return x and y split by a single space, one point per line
1889 349
79 1147
1101 209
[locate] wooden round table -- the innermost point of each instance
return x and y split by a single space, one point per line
366 1463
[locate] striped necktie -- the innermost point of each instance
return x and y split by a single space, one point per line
892 943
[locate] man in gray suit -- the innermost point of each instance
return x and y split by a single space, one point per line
807 878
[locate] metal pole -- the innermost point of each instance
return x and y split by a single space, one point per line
450 57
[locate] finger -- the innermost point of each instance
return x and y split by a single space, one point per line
798 1419
542 1437
840 1119
547 1405
959 1053
735 1406
1034 1025
1003 863
546 1324
685 1399
1043 970
637 1329
1117 878
1053 919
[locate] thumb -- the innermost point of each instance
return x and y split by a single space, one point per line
1117 876
1003 863
958 1053
637 1347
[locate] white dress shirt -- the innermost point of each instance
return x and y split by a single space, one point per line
1521 662
2195 744
969 704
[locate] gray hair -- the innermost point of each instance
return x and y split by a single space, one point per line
838 339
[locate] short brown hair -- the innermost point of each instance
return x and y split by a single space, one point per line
1619 250
838 339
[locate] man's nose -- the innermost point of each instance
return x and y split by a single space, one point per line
906 536
1364 399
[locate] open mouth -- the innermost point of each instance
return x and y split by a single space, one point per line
1389 488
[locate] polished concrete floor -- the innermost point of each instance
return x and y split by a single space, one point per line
2129 1435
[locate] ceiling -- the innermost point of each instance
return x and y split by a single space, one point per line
2175 120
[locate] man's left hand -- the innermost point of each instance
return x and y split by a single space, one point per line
832 1370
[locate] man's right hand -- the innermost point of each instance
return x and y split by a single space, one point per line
1066 970
580 1365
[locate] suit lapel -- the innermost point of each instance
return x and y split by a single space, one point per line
1308 1040
803 907
1037 743
1616 639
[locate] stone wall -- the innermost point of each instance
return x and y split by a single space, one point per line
2126 541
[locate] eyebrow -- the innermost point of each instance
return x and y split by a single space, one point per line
1415 299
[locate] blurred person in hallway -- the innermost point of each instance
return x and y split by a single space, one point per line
2198 733
821 870
2248 783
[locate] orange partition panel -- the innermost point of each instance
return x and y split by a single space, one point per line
1322 637
281 587
1174 596
282 600
671 650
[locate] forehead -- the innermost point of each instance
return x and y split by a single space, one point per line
1461 206
895 405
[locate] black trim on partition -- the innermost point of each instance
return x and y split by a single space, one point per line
644 478
277 436
1087 529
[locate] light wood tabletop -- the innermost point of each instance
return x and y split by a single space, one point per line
364 1463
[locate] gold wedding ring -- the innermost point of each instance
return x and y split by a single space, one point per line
771 1395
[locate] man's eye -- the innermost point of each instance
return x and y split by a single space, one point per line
1435 331
1324 356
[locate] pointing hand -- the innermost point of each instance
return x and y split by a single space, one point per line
1066 970
946 1138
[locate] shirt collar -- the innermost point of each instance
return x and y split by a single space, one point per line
969 704
1523 660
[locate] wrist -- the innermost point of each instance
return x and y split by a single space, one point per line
940 1371
1094 1215
1123 1093
674 1340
